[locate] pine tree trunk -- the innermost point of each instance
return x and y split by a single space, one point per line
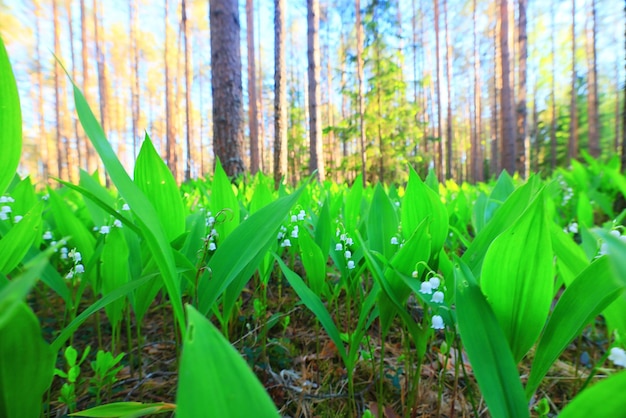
280 94
226 85
441 170
188 79
74 160
134 78
572 153
521 93
476 156
92 162
170 130
361 89
316 161
449 59
44 144
102 76
553 144
59 102
508 153
592 98
253 123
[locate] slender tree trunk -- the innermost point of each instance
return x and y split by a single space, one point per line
134 77
572 153
534 159
553 144
623 154
188 80
74 160
226 85
521 93
592 98
497 83
170 129
92 162
59 102
253 123
333 148
280 94
449 64
316 161
361 89
440 144
508 154
102 75
477 157
45 150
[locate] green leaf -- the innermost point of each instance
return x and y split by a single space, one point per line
382 224
14 246
592 291
26 365
487 349
352 208
241 247
10 121
146 216
315 305
156 181
313 262
220 384
125 410
604 399
517 278
224 203
114 272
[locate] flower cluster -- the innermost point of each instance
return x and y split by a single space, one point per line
5 210
285 234
427 287
212 235
345 243
76 257
105 229
604 247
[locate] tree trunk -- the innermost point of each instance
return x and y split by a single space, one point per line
361 89
102 75
521 93
188 79
280 94
316 161
553 144
592 98
440 144
508 153
170 129
226 85
572 153
134 81
253 123
45 150
495 109
74 160
92 162
59 95
449 59
476 156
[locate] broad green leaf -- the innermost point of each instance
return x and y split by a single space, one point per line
323 229
101 195
125 410
313 262
604 399
114 272
517 278
147 218
315 305
10 121
17 242
156 181
419 203
24 195
487 349
382 224
571 259
224 203
241 247
507 215
500 193
26 365
584 210
352 207
592 291
220 384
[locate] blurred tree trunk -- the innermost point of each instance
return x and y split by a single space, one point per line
553 144
572 152
59 98
188 80
170 129
592 97
476 153
521 92
508 153
280 94
74 160
45 150
253 122
361 89
623 155
226 85
102 77
496 118
449 63
441 169
92 162
134 77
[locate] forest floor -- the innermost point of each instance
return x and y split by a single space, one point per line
301 369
